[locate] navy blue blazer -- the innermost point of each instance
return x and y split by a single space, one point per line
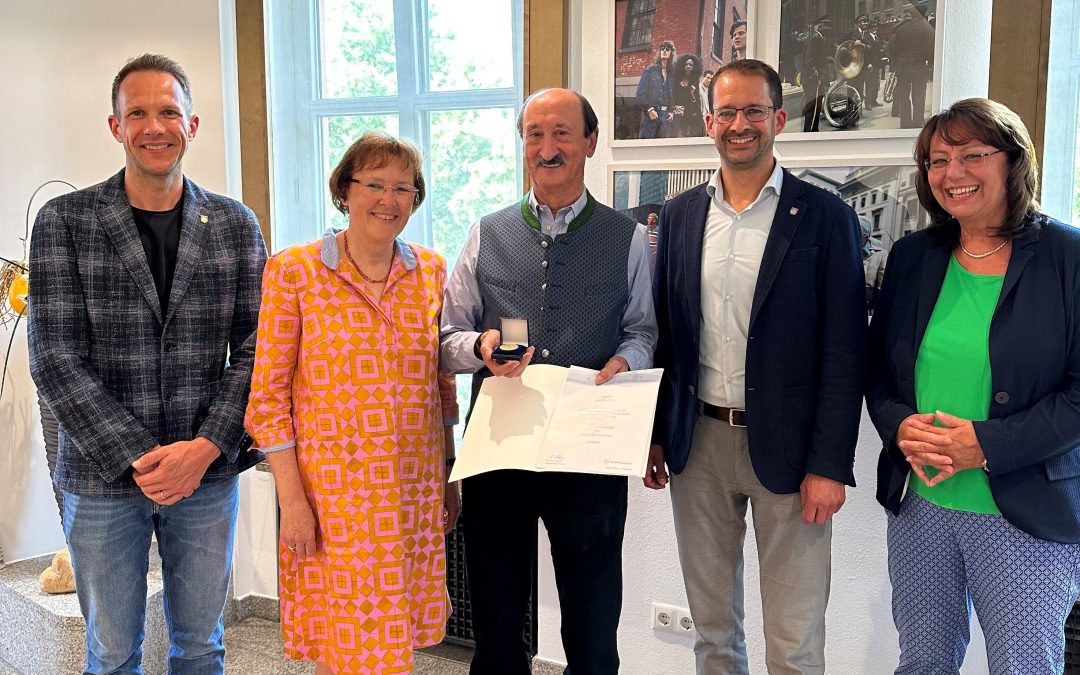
1032 435
806 344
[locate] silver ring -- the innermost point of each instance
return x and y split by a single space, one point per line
291 548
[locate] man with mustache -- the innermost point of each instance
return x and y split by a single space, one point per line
758 289
578 271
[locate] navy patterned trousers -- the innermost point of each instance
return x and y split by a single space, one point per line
943 563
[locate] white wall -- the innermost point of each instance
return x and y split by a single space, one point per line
860 637
57 61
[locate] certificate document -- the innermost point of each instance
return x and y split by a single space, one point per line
555 419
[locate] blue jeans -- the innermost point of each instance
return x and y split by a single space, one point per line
109 539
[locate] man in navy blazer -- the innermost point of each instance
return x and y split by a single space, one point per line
759 297
144 299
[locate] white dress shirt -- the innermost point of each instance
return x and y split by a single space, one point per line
732 248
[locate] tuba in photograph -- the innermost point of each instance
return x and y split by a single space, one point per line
843 102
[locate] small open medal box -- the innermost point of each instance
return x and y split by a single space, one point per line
515 340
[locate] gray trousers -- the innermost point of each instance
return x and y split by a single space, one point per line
709 501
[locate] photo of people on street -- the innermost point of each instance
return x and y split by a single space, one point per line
883 198
847 70
664 56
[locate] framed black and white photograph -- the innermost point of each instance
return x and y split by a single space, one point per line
852 66
884 199
882 195
664 54
640 192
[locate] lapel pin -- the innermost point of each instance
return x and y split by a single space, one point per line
206 219
794 210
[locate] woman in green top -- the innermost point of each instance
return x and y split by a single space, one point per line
974 386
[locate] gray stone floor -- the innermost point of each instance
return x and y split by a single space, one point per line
254 647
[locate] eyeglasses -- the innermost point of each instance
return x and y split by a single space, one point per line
666 48
966 161
753 113
377 189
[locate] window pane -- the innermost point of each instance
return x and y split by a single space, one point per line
473 171
470 48
1061 146
1076 178
639 23
338 134
356 48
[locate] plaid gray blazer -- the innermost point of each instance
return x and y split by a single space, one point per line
120 377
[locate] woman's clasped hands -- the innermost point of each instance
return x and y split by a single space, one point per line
941 441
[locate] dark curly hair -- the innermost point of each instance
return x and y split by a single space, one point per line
680 64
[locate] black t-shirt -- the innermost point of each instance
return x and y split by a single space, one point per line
160 235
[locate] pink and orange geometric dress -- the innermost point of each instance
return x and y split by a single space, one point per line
356 385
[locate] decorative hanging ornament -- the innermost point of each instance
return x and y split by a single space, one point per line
15 283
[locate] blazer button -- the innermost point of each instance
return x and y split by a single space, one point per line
691 390
545 353
1001 397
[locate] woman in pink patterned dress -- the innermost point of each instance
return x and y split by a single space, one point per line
348 403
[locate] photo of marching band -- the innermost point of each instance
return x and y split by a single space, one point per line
844 71
883 198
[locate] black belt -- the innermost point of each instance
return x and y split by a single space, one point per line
736 417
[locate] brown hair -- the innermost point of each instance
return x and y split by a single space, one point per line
751 68
374 150
157 63
999 127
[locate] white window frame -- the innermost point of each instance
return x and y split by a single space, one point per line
1062 100
299 198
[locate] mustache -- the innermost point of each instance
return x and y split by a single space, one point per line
557 160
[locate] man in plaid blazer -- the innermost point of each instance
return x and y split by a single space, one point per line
143 306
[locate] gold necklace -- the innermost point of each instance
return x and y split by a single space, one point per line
348 254
980 256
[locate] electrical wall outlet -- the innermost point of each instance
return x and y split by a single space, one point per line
684 623
672 619
663 617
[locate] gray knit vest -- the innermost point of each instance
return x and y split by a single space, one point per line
572 289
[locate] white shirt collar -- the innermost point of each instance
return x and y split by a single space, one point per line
715 188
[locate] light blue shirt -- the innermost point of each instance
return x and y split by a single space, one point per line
463 307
